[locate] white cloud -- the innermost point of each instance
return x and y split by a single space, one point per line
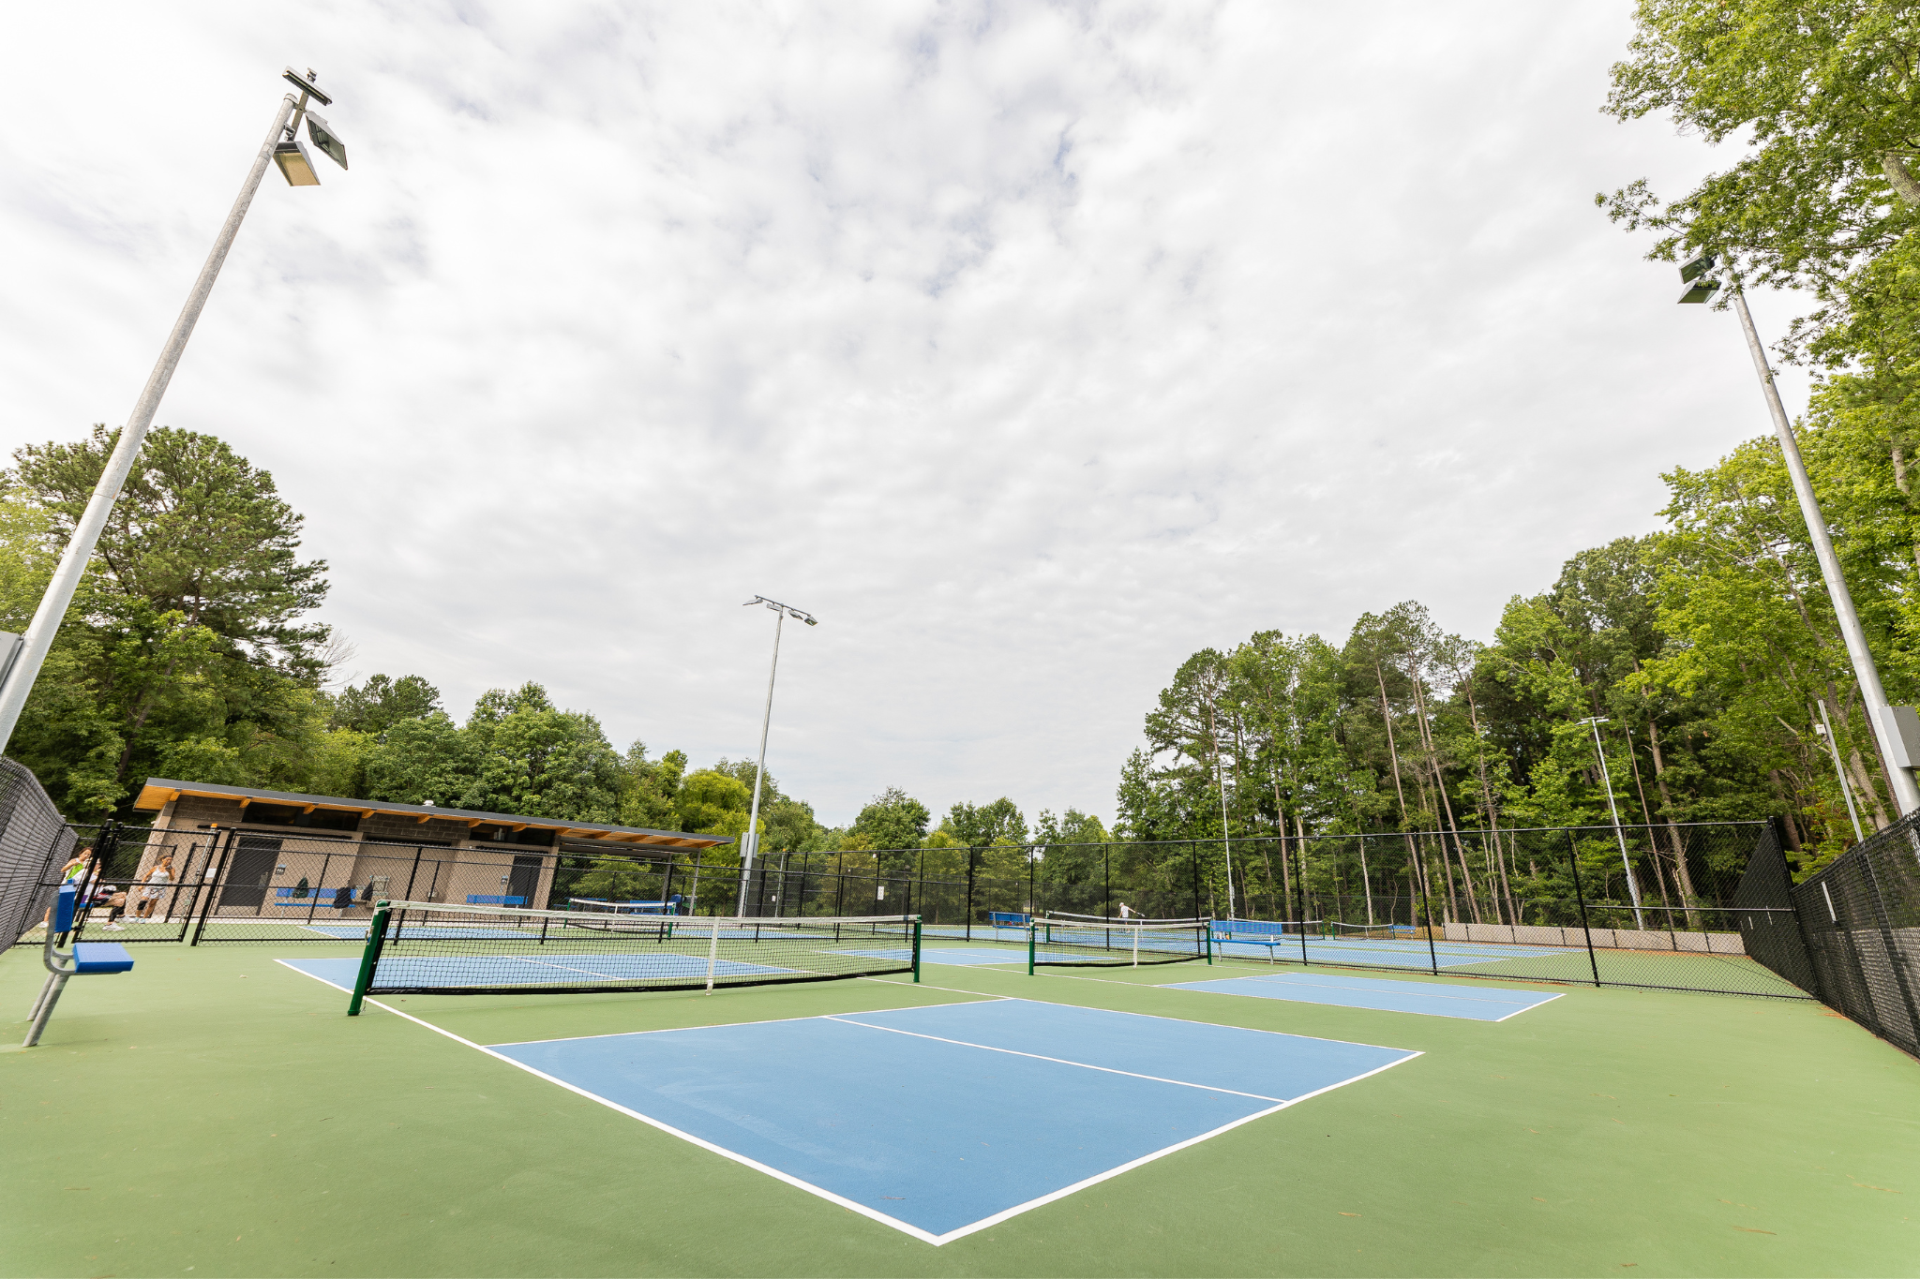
1032 347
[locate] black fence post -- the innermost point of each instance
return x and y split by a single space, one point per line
1196 886
1580 895
1426 908
1106 887
969 925
217 871
412 874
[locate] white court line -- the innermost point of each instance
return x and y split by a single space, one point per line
860 1208
1015 1052
1389 973
1126 1012
1365 1008
1064 1191
651 1122
927 985
719 1025
1426 991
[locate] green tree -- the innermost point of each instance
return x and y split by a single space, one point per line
1823 94
534 759
650 789
378 704
186 647
713 803
979 825
893 820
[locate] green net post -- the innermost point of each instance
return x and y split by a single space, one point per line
1209 941
1033 932
376 937
916 948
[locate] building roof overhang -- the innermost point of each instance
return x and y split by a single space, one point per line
160 791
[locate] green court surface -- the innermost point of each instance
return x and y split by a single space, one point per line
215 1113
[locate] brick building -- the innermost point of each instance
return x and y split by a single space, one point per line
277 854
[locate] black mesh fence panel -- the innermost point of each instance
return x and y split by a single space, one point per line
33 839
1861 919
1769 924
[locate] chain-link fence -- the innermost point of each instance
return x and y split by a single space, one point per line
1707 907
1650 906
1860 920
33 840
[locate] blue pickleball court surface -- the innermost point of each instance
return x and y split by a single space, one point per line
942 1120
1432 999
1385 953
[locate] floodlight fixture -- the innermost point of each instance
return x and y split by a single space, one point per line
326 139
295 164
1700 285
22 657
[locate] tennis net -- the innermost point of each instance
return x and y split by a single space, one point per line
441 949
1370 932
1082 941
585 908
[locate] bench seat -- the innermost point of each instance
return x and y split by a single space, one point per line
101 957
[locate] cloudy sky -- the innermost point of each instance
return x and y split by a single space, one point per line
1032 347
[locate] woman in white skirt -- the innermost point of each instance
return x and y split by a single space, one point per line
156 879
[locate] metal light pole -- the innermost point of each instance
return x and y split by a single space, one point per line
751 844
1906 794
1826 730
1633 885
1219 780
281 147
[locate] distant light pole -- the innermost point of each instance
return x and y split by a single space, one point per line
751 844
1825 729
22 656
1219 780
1633 885
1906 794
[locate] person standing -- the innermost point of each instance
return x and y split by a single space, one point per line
160 875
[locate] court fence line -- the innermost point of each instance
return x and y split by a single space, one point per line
1859 923
35 842
1717 910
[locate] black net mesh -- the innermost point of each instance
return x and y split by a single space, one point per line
454 950
34 842
1861 918
1084 943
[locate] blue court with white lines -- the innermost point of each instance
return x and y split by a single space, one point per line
1383 952
1430 999
942 1120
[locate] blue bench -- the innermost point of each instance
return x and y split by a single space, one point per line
494 899
84 959
1250 932
1008 919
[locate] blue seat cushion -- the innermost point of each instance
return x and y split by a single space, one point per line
101 957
